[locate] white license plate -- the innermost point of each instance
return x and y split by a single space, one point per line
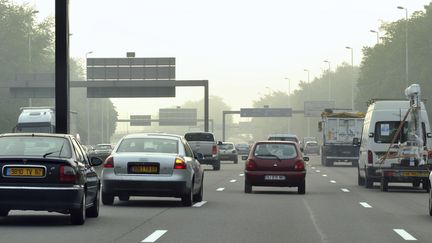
274 177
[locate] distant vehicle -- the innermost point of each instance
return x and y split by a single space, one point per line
277 164
161 165
242 148
311 147
227 151
380 161
205 144
339 129
48 172
307 139
42 120
283 137
102 150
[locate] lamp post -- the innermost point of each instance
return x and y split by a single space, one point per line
289 102
308 97
377 35
406 45
352 81
329 81
29 47
88 103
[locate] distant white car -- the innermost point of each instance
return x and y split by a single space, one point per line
160 165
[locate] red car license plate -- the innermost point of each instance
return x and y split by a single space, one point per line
274 177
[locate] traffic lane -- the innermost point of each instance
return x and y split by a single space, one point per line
404 206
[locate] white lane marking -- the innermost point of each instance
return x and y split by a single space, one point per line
405 235
241 174
155 236
220 189
345 190
313 168
233 180
317 171
365 204
199 204
324 175
321 233
332 181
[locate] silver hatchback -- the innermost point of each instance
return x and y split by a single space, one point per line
161 165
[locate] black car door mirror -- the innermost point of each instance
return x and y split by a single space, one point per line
198 155
95 161
356 142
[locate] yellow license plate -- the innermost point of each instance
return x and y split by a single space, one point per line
415 174
144 169
24 171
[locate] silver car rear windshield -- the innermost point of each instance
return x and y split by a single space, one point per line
281 151
226 146
152 145
35 146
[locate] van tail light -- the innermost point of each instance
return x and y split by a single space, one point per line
179 164
109 162
250 164
67 174
214 150
299 165
370 157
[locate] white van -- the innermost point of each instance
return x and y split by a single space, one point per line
382 119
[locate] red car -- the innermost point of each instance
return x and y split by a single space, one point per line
275 164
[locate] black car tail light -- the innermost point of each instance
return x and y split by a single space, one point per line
250 164
109 162
67 174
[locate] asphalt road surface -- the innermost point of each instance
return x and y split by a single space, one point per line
334 209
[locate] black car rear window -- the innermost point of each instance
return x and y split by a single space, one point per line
199 137
35 146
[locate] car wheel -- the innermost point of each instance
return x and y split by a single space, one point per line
236 161
217 165
384 184
360 180
430 202
107 198
124 198
78 216
4 212
93 211
368 181
187 199
199 196
426 185
416 183
301 189
247 187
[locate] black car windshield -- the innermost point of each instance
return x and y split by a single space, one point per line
226 146
35 146
282 151
153 145
103 147
199 137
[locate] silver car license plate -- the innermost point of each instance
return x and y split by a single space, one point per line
274 177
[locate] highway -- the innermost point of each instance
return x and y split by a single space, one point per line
334 209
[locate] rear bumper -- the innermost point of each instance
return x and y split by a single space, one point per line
209 161
292 178
133 185
41 198
228 156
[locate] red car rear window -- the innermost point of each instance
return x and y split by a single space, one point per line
280 150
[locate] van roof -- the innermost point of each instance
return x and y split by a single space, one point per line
391 104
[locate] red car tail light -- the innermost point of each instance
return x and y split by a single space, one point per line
109 162
250 164
370 157
430 154
179 164
214 150
67 174
299 165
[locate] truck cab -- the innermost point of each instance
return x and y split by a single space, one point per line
36 119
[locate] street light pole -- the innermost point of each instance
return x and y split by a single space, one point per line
88 103
308 97
352 81
29 47
406 45
377 34
289 102
329 81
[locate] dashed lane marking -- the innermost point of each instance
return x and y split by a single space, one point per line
241 174
220 189
365 204
233 180
405 235
317 171
155 236
345 190
333 181
199 204
324 175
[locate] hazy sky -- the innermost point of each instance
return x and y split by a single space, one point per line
245 48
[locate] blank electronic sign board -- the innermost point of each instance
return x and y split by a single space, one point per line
178 117
140 120
265 112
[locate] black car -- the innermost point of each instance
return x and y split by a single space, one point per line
48 172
